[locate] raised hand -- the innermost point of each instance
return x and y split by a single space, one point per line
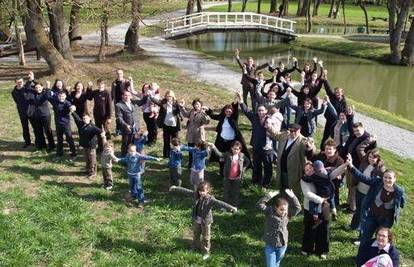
90 84
237 53
349 160
290 193
315 59
294 59
372 138
72 109
320 63
48 84
181 103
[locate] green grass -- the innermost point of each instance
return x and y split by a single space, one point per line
52 215
354 14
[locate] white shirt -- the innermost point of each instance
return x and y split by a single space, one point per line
289 142
169 116
227 132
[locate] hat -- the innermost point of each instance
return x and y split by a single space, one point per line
317 164
294 126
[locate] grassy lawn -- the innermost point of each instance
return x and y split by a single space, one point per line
52 215
354 14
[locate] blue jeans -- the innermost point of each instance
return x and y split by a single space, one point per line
274 255
135 186
356 218
369 225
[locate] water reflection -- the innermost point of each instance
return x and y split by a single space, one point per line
386 87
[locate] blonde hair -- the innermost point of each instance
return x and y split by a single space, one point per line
170 93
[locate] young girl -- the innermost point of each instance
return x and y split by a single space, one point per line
305 116
277 218
175 162
274 119
235 163
202 215
199 153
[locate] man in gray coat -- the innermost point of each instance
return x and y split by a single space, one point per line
127 118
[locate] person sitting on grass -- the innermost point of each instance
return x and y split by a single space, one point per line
133 161
234 166
277 218
88 139
202 214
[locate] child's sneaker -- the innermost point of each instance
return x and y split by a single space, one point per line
323 256
108 187
141 205
206 256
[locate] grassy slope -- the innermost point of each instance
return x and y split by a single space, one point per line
354 14
51 214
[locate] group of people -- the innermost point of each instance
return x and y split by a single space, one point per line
283 115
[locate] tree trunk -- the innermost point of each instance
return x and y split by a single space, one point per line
273 6
361 4
408 51
74 23
317 3
58 28
396 24
285 7
5 33
19 42
343 14
28 27
331 9
54 59
308 17
244 5
230 6
190 7
132 42
199 6
103 28
298 11
305 7
336 10
259 4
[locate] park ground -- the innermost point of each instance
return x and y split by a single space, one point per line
53 215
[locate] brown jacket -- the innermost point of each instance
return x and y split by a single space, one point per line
195 125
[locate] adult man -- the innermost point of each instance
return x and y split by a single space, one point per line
127 118
291 157
19 96
119 85
250 68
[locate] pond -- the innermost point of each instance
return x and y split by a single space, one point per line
386 87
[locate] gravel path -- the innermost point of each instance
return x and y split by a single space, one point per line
213 73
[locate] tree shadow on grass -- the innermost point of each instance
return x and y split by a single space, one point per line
38 173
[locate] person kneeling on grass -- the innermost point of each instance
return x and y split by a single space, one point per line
202 214
277 219
133 161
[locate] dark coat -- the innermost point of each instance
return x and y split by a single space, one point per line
38 104
367 252
163 111
87 132
80 103
19 97
102 108
128 117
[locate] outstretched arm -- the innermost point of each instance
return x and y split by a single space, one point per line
182 190
222 204
262 202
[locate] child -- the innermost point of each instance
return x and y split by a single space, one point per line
274 119
202 215
133 161
140 138
235 163
199 154
175 162
277 218
87 139
107 157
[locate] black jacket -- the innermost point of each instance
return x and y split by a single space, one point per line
87 132
128 117
163 111
19 97
38 103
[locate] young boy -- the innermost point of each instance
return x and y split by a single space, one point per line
199 154
133 161
175 162
88 134
140 139
106 161
102 108
235 163
62 109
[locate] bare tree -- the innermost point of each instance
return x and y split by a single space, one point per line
332 8
132 35
273 6
230 6
74 23
308 16
361 4
298 11
316 5
190 7
408 51
199 6
397 11
58 28
244 5
54 59
103 30
19 42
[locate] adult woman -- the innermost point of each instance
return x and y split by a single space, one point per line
382 244
58 86
150 117
197 118
372 166
227 130
305 116
168 119
78 98
382 204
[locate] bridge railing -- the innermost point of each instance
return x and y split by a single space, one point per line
232 19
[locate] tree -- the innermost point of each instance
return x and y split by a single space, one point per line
244 5
54 59
408 51
316 5
397 11
273 6
306 6
58 28
343 14
285 8
230 6
19 42
132 35
361 4
308 16
298 11
259 4
190 7
332 8
199 6
74 23
104 30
